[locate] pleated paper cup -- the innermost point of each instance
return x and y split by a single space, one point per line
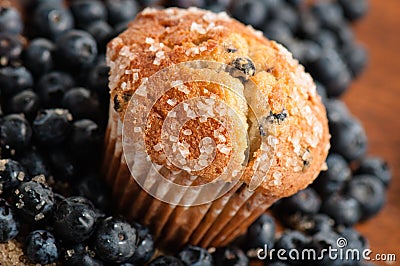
214 223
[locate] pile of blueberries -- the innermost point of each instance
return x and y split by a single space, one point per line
53 115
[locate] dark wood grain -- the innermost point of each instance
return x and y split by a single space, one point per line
375 99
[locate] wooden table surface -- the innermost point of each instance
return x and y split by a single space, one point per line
375 99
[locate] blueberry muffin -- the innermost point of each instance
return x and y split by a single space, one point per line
209 124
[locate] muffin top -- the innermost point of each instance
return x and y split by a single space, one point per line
279 132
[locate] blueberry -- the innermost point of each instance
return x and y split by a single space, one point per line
74 219
355 242
115 240
120 27
52 86
14 80
195 256
81 102
244 65
97 81
377 167
365 263
278 263
224 3
337 111
41 247
92 187
321 91
326 39
348 139
326 240
296 3
260 233
26 102
101 59
121 10
166 261
250 12
80 255
356 58
97 78
10 20
50 20
309 25
288 15
10 48
230 256
292 240
102 32
335 177
36 3
11 175
186 3
63 165
305 201
355 9
305 51
15 132
328 13
273 5
311 52
278 31
369 192
34 201
33 161
8 223
88 11
296 48
52 126
332 72
147 3
344 34
76 48
343 209
39 56
86 140
58 198
145 245
312 224
218 6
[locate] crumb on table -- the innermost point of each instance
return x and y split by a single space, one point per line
11 254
